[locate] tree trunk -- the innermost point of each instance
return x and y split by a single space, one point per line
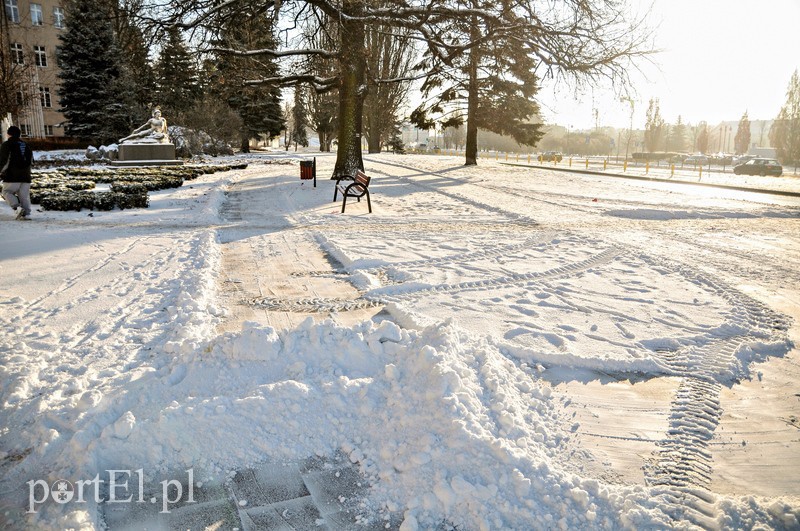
245 144
471 151
352 64
374 142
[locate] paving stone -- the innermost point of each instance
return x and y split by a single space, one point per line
334 490
268 484
262 519
214 515
217 514
299 513
211 501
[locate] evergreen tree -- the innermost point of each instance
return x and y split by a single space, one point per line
491 86
299 118
784 134
178 87
137 69
654 126
259 107
677 137
94 98
741 142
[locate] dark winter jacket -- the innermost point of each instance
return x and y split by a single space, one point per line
15 161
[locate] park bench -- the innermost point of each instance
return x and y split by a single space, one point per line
358 188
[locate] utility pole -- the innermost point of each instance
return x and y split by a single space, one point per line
630 128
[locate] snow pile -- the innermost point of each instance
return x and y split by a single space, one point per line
448 429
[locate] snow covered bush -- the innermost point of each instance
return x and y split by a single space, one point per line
190 143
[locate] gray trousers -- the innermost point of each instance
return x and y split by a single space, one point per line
18 195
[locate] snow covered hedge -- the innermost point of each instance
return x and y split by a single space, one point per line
72 188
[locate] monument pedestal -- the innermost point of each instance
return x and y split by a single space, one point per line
146 155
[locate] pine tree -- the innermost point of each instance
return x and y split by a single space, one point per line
677 137
741 142
492 86
259 107
94 98
177 82
784 134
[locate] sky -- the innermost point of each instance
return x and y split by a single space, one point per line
718 59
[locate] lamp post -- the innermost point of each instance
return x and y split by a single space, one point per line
569 129
630 128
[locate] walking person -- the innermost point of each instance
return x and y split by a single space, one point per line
15 171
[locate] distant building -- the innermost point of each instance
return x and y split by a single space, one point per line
31 30
721 137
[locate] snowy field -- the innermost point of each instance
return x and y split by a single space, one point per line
493 347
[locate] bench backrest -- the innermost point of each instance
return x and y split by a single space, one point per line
362 178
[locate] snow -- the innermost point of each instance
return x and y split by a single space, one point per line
120 352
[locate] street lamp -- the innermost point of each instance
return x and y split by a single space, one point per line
630 128
569 129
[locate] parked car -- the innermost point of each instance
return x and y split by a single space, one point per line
743 159
695 160
759 166
550 156
722 160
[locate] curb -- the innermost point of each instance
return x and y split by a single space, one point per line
660 180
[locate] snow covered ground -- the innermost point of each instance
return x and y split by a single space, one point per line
494 347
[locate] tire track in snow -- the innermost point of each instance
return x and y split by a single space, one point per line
682 467
322 305
683 464
470 255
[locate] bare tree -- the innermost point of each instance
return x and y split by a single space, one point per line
389 56
322 105
583 39
16 67
654 126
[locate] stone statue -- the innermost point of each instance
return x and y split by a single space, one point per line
154 131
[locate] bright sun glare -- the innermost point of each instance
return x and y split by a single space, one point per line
719 59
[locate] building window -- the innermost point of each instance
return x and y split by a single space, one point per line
58 17
26 129
17 54
12 11
41 56
36 15
20 98
48 130
44 93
